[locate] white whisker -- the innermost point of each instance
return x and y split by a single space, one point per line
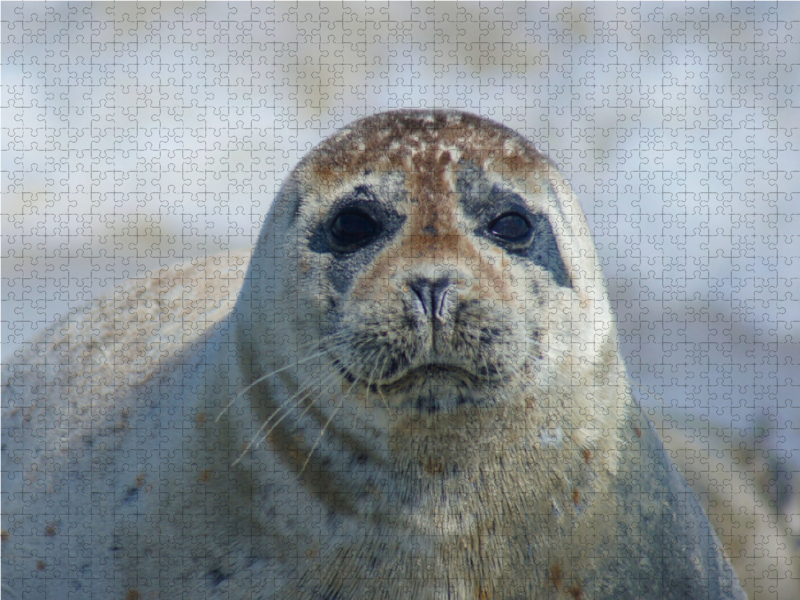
275 372
324 427
304 392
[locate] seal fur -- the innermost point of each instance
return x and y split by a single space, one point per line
438 413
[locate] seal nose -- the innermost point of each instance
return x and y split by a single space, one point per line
432 295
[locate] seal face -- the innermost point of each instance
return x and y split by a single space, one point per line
418 394
428 248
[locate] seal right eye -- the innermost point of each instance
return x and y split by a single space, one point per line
351 230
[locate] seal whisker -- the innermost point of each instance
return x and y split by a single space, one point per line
275 372
304 392
377 354
383 371
324 427
372 378
330 377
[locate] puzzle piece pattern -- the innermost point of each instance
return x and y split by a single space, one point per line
141 135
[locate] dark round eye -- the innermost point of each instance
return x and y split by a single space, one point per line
352 229
511 227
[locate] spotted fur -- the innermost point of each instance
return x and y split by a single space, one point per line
435 411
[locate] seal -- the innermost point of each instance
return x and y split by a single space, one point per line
415 393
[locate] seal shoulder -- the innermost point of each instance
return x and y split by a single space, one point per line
120 341
75 402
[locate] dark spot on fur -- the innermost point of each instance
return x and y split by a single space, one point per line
50 530
575 592
587 456
344 372
131 496
557 576
576 496
215 577
489 335
489 370
132 595
427 404
434 465
637 431
392 368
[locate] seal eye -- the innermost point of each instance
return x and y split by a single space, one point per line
511 227
352 229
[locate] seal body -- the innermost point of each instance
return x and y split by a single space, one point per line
414 392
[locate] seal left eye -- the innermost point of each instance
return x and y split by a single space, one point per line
511 227
352 229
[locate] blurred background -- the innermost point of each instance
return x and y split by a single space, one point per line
137 135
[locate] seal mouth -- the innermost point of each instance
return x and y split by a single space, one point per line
436 388
436 372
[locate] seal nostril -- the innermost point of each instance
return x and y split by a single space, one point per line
432 295
440 305
422 289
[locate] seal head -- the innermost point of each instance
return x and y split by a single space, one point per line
444 268
434 362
